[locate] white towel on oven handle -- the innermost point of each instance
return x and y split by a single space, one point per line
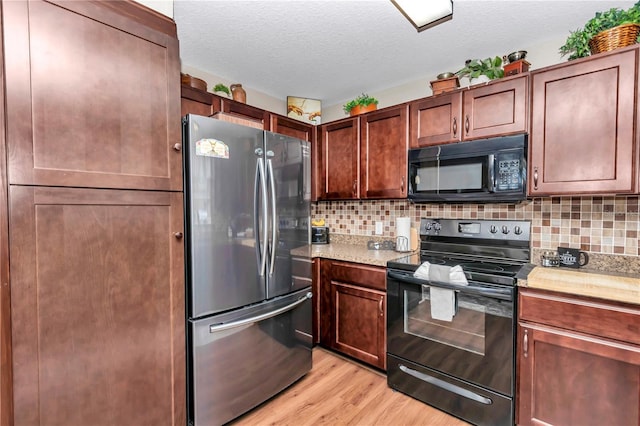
442 300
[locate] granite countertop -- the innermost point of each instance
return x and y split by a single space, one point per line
622 287
350 248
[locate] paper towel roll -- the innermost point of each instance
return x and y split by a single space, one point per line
403 229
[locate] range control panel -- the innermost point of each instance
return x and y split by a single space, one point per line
514 230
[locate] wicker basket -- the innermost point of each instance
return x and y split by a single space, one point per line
614 38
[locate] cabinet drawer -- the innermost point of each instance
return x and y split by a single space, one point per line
611 320
362 275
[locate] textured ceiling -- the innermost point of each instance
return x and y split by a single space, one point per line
333 50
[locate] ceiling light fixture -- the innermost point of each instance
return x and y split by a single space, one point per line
425 14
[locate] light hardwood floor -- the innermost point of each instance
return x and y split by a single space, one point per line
338 391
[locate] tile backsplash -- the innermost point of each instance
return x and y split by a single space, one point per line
607 225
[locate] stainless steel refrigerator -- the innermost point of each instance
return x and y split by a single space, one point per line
247 208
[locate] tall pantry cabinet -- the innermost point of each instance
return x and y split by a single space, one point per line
92 275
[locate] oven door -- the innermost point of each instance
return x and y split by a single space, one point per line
476 346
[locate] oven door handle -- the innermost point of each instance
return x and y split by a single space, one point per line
505 293
446 386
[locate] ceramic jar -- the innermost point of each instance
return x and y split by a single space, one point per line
238 93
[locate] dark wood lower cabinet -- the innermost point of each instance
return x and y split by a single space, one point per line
574 378
354 311
97 306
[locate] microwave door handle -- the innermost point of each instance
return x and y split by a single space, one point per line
492 173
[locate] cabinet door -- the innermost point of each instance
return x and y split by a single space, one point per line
498 108
358 323
383 153
290 127
247 111
582 127
571 379
92 97
97 306
340 159
436 120
194 101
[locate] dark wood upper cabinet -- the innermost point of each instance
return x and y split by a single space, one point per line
97 306
384 143
291 127
578 360
436 120
498 108
91 96
246 111
495 109
340 146
194 101
582 137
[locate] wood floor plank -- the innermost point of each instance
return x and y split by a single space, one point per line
339 391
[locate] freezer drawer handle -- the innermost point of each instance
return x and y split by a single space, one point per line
220 327
446 386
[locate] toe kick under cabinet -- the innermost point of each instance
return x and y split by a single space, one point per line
578 360
353 310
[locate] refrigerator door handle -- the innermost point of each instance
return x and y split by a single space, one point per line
261 246
274 222
221 327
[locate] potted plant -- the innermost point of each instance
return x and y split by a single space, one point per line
490 68
605 31
361 104
221 88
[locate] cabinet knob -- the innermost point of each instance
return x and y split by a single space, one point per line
178 235
177 147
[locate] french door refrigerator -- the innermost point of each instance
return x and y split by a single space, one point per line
247 208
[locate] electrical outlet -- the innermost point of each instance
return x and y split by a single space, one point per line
378 228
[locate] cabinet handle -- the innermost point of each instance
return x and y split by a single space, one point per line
178 235
355 187
535 178
380 306
455 126
177 147
525 343
402 184
466 124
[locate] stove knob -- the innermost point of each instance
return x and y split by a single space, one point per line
505 230
437 226
493 229
517 230
427 226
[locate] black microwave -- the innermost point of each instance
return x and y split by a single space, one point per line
484 171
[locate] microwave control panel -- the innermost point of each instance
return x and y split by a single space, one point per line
508 173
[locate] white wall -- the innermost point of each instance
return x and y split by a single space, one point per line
539 55
163 6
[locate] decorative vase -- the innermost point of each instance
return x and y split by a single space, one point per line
358 109
238 93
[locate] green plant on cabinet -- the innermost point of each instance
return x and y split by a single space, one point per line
577 44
